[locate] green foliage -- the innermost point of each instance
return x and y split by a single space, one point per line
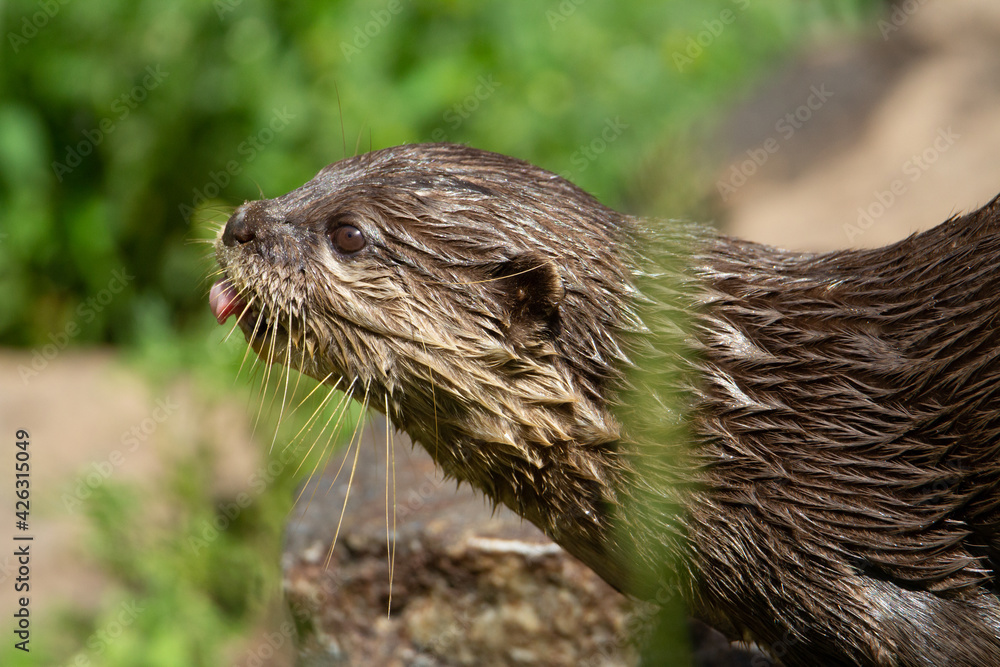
186 587
191 573
125 126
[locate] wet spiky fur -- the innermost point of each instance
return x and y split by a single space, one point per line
838 486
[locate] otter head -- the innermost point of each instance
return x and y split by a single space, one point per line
479 300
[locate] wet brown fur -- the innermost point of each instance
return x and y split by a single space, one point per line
839 488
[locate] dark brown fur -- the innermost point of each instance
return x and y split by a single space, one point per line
838 489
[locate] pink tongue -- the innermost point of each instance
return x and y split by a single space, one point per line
225 301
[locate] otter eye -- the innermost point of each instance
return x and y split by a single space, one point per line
348 239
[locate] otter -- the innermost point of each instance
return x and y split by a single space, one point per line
832 491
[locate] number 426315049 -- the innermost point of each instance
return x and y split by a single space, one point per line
22 477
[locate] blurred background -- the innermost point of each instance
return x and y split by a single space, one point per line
128 130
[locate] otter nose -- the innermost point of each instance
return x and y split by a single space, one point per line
245 225
239 229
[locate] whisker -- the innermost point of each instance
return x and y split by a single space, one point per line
340 110
209 274
357 431
340 411
288 373
350 481
314 390
256 326
308 426
390 453
298 376
357 144
486 280
236 325
270 367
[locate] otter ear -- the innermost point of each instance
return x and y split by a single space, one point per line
531 290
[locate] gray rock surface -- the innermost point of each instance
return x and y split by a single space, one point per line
470 585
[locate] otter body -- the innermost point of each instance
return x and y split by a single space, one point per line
838 486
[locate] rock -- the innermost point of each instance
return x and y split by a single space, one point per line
470 584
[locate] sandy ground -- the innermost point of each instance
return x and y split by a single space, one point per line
887 135
861 144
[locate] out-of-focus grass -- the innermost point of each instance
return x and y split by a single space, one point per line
192 573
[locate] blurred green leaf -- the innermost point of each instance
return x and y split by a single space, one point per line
122 122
